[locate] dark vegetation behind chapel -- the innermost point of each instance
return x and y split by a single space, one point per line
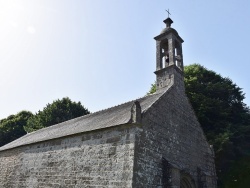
225 119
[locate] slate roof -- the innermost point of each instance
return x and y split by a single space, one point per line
110 117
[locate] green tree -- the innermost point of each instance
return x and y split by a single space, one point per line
217 101
225 119
152 89
57 112
11 127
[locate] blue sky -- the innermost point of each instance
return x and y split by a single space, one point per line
102 53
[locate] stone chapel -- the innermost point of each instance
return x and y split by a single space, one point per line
154 141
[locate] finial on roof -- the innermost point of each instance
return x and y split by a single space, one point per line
168 13
168 21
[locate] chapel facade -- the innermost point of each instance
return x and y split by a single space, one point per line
154 141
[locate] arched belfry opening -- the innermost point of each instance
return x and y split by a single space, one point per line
178 55
169 57
164 54
186 182
176 51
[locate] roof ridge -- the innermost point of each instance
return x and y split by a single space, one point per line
115 115
105 109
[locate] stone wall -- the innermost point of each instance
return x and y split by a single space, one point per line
172 146
101 158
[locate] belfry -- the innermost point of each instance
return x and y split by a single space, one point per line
169 57
169 47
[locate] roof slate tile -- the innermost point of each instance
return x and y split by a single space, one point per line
113 116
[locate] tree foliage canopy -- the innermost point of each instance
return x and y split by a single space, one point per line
11 127
225 119
15 126
57 112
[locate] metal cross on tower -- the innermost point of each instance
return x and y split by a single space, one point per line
168 13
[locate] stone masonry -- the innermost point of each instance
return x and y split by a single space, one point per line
172 144
94 159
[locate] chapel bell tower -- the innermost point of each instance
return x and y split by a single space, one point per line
169 58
